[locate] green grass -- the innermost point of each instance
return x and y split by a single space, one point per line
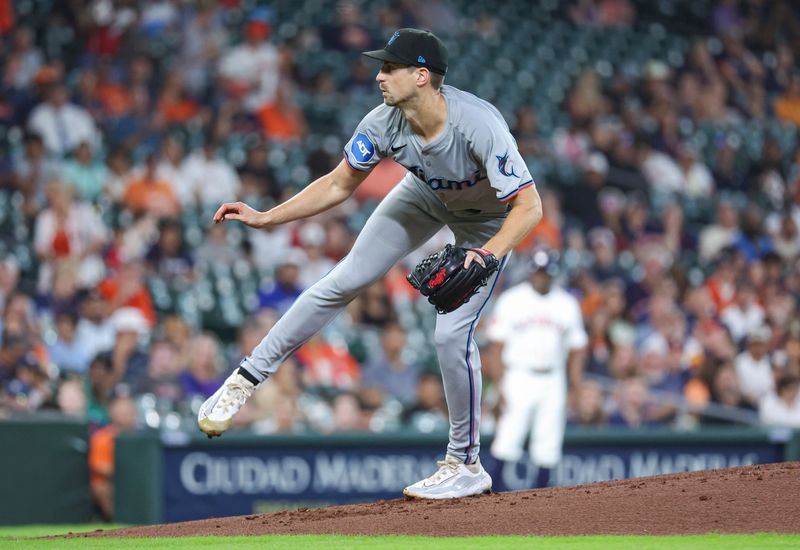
15 537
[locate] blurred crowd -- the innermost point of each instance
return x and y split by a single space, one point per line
125 124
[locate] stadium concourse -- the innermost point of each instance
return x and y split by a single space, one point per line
662 137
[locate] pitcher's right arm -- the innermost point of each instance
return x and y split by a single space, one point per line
324 193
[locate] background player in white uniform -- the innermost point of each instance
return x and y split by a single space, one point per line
537 332
464 172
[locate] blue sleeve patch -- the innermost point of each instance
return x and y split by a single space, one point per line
362 148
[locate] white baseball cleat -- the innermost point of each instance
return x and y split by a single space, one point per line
453 479
216 414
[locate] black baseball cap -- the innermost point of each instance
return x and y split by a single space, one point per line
414 47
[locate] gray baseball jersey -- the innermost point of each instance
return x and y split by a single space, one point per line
473 164
462 179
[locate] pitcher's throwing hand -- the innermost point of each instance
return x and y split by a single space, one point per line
238 211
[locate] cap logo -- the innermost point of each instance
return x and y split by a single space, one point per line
421 59
393 38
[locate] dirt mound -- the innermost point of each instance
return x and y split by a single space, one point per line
763 498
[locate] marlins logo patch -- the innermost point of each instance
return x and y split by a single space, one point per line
393 38
505 165
362 148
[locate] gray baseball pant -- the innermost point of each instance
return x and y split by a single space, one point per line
408 216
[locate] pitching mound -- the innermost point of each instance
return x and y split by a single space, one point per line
764 498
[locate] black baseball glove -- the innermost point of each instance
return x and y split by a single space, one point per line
442 277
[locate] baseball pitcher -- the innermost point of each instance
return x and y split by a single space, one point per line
537 332
464 171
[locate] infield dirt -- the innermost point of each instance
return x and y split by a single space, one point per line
761 498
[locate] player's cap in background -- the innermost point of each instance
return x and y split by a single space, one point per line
544 259
414 47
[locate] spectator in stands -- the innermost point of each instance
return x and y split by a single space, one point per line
68 352
282 119
71 398
113 95
175 106
85 173
429 413
316 265
361 82
130 326
587 406
715 237
347 414
789 354
697 179
204 41
390 371
767 176
745 314
62 125
33 170
94 329
728 174
326 365
99 385
86 95
603 248
215 249
122 412
726 395
138 129
527 134
258 179
23 61
118 175
9 279
721 284
250 72
787 105
209 177
151 196
127 289
161 375
786 239
64 294
782 408
754 368
285 289
349 32
170 170
26 385
663 174
275 409
270 246
176 331
572 144
68 231
373 307
203 375
752 241
170 258
632 405
583 202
